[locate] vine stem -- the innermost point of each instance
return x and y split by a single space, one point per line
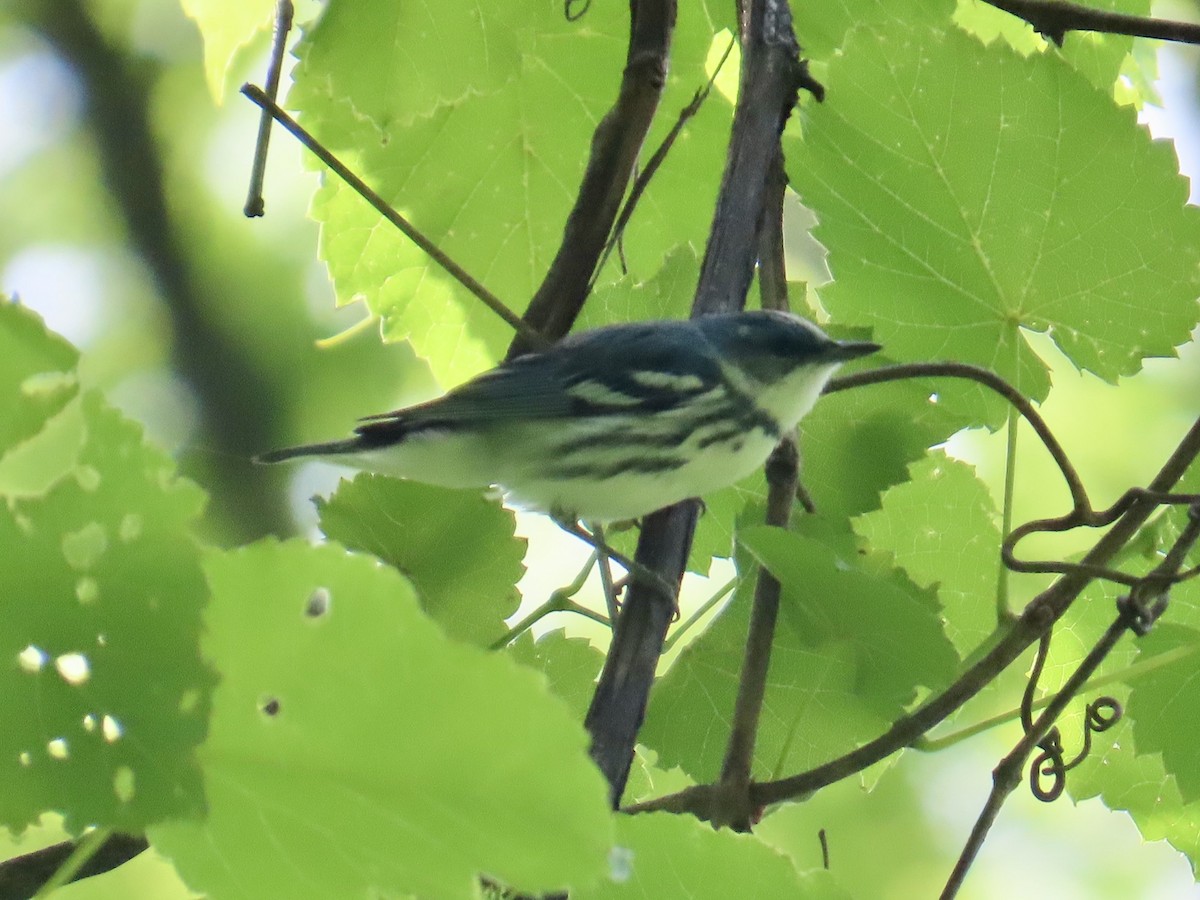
1137 612
1142 667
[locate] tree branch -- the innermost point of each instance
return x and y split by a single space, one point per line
23 876
770 77
1054 18
615 147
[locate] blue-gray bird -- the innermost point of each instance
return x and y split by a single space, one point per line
612 423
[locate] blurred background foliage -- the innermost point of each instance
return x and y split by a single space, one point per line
121 192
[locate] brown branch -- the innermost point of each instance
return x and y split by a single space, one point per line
23 876
783 476
783 480
1053 19
771 74
619 704
657 158
616 144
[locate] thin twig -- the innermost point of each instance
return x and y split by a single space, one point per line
1007 775
255 205
1053 19
783 482
782 477
490 300
1141 667
642 181
558 601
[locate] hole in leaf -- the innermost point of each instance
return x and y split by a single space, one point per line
74 668
87 590
111 729
31 659
83 548
58 748
130 528
123 783
270 707
318 603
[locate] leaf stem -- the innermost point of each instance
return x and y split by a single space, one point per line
85 849
1003 613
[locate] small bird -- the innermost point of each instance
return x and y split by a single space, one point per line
613 423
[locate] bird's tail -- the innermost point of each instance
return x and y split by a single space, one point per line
330 448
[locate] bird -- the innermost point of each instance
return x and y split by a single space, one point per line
611 423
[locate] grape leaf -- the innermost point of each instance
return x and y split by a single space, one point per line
660 855
1164 704
37 369
1125 778
105 695
941 529
570 665
947 238
457 547
851 646
354 751
227 26
491 177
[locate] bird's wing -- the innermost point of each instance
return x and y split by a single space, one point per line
621 369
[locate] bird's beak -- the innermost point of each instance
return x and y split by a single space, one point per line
846 350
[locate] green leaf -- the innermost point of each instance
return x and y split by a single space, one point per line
894 626
661 855
941 529
489 177
457 547
856 444
851 646
947 238
37 369
823 27
227 26
355 751
570 664
667 295
387 64
1099 57
1165 705
104 693
1126 778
